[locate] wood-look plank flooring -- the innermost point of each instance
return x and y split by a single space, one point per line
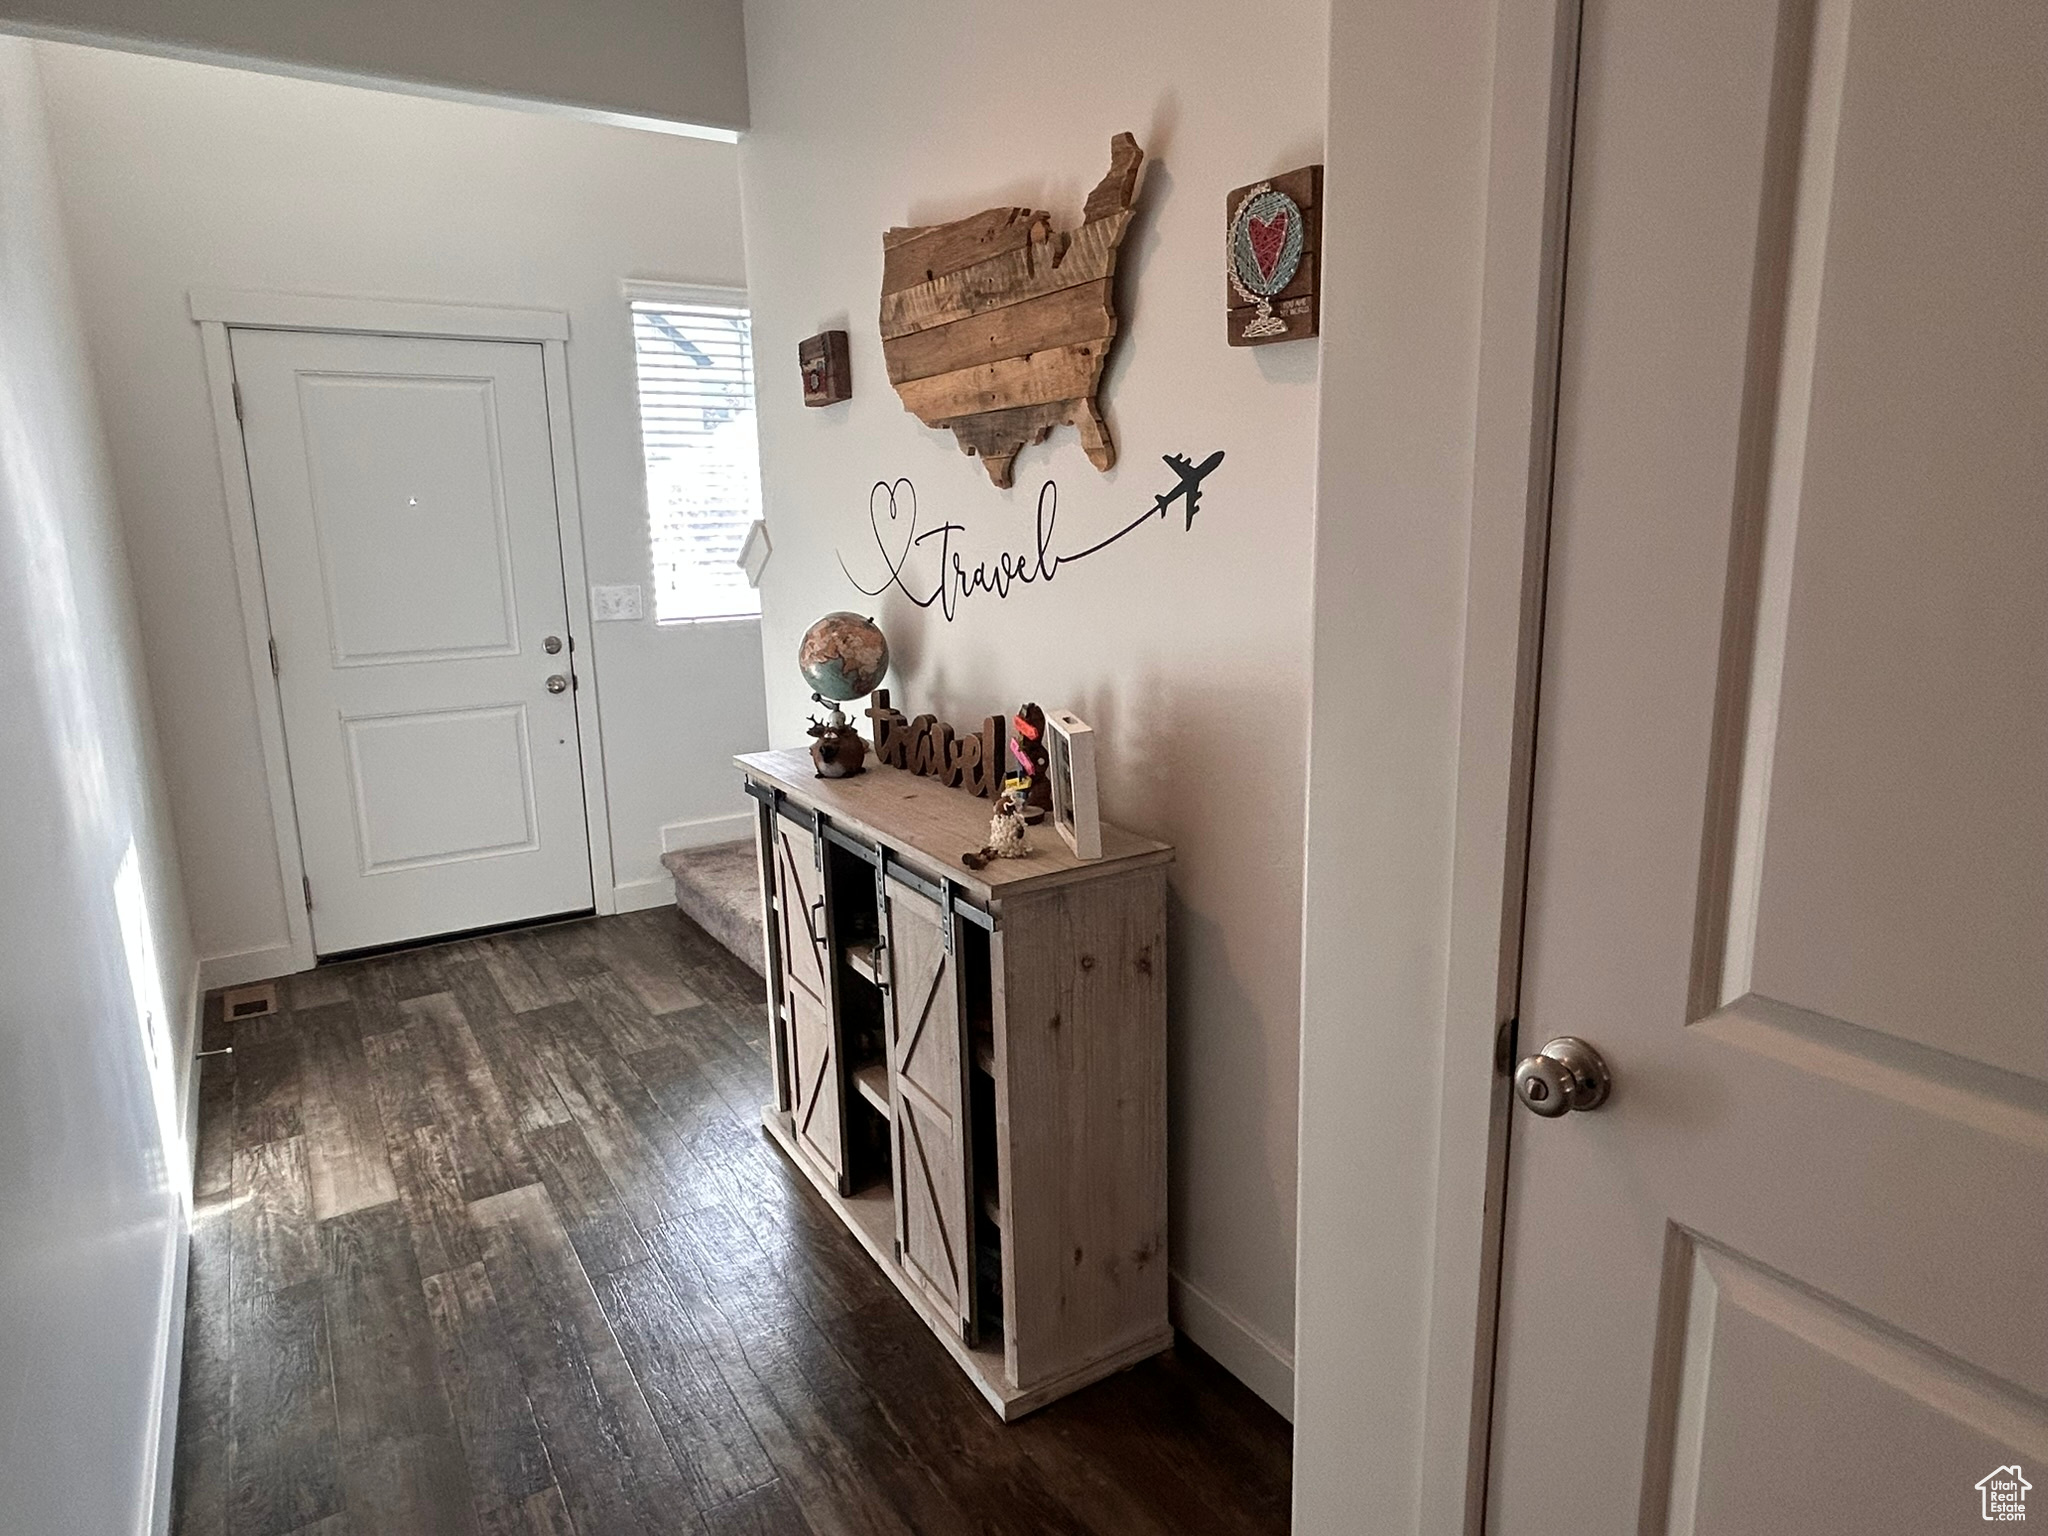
488 1240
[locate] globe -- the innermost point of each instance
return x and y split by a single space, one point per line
843 656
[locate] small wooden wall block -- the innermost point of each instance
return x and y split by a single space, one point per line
1299 304
827 368
998 325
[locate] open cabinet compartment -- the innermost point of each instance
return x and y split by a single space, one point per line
975 944
863 1011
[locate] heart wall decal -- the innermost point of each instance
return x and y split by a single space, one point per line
1273 258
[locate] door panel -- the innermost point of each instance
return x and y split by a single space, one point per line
1900 742
486 750
405 509
802 918
927 1065
413 540
803 929
1751 1344
1789 847
816 1093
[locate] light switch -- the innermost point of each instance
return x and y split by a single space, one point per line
613 603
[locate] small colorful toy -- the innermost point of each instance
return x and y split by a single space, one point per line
1028 778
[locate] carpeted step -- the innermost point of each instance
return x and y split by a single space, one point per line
719 888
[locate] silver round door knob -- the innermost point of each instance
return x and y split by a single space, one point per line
558 684
1567 1074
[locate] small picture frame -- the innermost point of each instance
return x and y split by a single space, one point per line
827 366
1070 763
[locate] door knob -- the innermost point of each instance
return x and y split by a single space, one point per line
1567 1074
558 684
552 645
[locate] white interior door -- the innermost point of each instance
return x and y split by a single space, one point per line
1789 860
412 563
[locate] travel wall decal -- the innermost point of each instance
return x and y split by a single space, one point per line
894 502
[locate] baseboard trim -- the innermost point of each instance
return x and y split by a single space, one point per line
244 966
1248 1354
639 895
706 830
165 1452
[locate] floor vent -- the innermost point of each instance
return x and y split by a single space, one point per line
249 1002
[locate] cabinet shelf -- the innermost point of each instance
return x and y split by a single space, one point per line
873 1083
865 957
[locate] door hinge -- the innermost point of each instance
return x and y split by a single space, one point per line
275 669
236 386
306 884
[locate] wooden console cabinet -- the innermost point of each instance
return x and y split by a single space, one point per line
970 1066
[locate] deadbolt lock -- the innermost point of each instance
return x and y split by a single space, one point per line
552 645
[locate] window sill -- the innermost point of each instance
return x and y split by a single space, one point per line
726 618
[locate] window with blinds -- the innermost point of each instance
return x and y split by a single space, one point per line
696 371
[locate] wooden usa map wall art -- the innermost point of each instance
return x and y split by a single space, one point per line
1272 256
998 325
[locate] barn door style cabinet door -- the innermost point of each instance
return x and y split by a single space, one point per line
971 1067
804 932
929 1096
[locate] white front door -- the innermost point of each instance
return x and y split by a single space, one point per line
412 564
1789 859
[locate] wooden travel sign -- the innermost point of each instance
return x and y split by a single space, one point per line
929 746
998 325
1273 258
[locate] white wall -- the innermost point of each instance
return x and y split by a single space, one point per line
663 61
1188 650
1405 233
176 176
96 969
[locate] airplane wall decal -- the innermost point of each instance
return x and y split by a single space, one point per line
1191 477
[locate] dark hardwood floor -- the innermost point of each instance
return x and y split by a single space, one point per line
488 1239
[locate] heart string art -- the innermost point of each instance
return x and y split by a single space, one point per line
1269 237
1272 248
1266 240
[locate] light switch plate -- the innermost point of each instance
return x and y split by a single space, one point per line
615 603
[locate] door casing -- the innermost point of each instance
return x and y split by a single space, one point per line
1535 65
215 311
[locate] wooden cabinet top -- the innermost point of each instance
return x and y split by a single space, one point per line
919 815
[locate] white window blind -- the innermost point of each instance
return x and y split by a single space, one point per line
696 371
